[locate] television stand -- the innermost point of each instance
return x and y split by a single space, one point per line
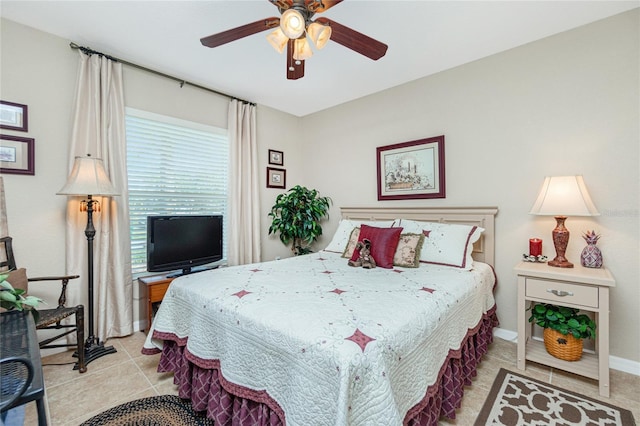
157 286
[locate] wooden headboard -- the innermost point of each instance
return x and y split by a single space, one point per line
484 217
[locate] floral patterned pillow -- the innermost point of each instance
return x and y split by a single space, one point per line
351 244
408 251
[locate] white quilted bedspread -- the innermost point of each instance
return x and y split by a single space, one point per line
332 343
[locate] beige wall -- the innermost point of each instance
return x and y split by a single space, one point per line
39 70
563 105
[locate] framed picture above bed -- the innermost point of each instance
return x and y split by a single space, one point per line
411 170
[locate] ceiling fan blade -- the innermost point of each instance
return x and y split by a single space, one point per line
317 6
282 4
354 40
233 34
295 69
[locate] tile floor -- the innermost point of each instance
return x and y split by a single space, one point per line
128 375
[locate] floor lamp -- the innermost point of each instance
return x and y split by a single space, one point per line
88 178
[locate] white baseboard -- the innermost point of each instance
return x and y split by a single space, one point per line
616 363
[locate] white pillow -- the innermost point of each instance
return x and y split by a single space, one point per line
445 243
341 236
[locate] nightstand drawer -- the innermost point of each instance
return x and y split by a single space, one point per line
560 292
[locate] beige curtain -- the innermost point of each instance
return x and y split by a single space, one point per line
99 130
243 240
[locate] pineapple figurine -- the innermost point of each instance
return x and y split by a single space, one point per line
591 256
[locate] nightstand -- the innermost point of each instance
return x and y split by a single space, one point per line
584 288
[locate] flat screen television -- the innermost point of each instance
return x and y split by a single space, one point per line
181 242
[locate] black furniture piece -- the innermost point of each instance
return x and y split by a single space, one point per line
21 378
51 319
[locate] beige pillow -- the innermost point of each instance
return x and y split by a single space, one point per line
408 251
351 244
18 279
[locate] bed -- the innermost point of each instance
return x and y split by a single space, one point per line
311 340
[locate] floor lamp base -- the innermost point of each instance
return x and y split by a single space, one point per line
95 349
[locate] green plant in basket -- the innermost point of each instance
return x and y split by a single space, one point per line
14 298
564 320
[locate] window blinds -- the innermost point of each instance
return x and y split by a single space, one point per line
174 167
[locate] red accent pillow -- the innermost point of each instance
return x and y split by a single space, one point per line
384 242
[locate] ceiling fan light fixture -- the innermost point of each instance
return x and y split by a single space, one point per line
319 34
301 49
278 40
292 23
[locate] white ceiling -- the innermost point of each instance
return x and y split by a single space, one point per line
424 37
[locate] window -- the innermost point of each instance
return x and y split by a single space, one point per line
174 167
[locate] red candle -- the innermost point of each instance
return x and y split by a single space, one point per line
535 247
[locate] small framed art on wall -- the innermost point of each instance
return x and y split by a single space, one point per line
276 157
276 178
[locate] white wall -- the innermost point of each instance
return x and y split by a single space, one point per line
564 105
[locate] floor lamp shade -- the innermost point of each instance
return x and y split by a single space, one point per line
562 196
88 178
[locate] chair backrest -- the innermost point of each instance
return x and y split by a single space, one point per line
7 260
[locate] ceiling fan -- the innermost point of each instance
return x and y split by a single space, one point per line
295 27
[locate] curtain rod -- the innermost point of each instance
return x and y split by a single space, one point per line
182 82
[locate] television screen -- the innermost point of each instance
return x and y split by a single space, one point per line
183 242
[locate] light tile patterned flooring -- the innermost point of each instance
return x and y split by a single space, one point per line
128 375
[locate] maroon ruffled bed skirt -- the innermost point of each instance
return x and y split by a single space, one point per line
230 404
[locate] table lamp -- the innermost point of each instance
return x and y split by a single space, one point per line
88 178
562 196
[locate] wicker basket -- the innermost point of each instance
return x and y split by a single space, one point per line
562 346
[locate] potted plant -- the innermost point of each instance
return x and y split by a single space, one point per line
564 329
296 216
14 299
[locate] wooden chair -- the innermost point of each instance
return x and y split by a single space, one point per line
50 319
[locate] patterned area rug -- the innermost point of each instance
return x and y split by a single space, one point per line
161 410
516 400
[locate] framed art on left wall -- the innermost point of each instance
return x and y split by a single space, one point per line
13 116
17 155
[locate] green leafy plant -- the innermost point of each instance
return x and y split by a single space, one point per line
296 216
564 320
13 298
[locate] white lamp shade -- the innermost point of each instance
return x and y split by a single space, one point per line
278 40
319 34
292 23
88 177
564 196
302 50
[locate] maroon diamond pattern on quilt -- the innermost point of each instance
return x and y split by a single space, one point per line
360 339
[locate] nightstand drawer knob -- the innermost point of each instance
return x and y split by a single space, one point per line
560 293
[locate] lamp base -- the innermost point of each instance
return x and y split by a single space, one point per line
560 263
95 349
560 240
